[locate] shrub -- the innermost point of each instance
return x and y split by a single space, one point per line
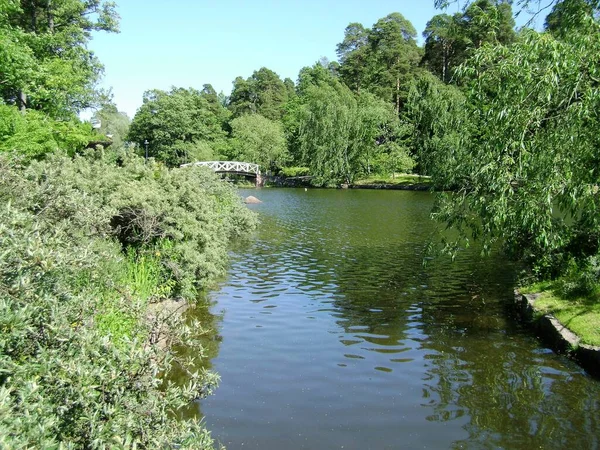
142 205
83 362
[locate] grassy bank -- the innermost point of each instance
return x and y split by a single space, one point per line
399 180
91 248
579 313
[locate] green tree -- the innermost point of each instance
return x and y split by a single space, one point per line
341 135
439 115
568 16
444 45
263 93
114 124
259 140
530 164
315 75
449 40
353 53
180 126
34 135
395 58
487 21
46 64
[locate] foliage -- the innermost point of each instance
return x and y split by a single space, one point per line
529 168
144 207
439 116
354 53
45 64
341 134
113 124
395 179
179 124
263 93
79 354
381 60
396 56
259 140
294 171
569 16
33 135
449 40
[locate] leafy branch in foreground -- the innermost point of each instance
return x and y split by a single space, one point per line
530 162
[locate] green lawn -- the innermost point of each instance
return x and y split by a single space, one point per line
580 315
402 179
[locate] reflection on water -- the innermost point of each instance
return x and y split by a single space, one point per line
335 335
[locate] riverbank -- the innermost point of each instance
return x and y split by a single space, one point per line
570 326
407 182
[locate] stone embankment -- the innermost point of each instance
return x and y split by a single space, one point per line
557 336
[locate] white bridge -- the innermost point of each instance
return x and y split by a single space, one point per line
242 168
235 167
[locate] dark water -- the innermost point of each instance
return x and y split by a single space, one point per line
333 334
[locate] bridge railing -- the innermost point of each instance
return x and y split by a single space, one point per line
228 166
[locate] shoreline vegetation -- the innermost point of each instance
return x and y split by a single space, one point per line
579 313
99 257
401 181
567 326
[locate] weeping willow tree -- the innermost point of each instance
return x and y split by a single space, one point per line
341 135
529 165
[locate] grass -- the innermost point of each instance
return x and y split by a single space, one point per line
403 179
581 315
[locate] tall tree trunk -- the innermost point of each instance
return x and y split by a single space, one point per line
397 95
444 62
22 101
33 16
50 15
397 88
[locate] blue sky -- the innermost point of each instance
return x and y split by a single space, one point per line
187 43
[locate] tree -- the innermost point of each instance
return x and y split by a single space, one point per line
568 16
395 58
530 163
113 123
46 64
315 75
487 21
438 114
340 135
444 45
263 93
259 140
353 53
180 126
449 40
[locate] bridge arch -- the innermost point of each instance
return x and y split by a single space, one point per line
233 167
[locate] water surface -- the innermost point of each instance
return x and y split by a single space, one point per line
334 334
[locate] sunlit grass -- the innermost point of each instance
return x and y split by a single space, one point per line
581 315
403 179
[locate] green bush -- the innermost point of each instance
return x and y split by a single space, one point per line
189 210
84 363
33 135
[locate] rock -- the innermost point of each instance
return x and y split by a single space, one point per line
252 200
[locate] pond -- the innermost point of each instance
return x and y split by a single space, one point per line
336 330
